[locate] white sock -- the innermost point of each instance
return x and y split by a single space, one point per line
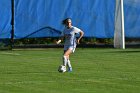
69 64
64 60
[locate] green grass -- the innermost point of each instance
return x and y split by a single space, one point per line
94 71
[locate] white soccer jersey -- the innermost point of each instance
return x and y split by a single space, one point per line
69 34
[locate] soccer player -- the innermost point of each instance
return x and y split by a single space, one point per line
70 41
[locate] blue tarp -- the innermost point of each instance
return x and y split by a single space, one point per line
132 18
5 19
42 18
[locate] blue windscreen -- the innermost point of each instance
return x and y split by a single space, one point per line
132 18
42 18
5 18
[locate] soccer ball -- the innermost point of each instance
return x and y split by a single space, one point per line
62 68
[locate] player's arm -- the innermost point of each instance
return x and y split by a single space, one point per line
81 35
60 39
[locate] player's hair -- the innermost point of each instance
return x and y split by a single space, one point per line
64 22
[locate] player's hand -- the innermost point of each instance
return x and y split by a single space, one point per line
78 41
58 42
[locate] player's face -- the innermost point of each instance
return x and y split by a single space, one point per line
69 24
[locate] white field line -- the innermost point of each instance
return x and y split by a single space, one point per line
9 53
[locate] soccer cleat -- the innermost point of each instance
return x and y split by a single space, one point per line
70 69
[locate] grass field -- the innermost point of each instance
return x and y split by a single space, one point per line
95 70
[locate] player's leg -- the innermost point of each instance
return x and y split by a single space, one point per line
66 56
67 53
69 65
66 59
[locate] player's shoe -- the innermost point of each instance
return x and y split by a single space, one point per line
70 69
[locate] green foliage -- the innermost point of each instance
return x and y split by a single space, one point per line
5 44
53 40
34 41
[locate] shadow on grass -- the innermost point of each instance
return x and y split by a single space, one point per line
14 72
125 51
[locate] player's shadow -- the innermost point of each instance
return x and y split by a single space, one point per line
27 72
126 51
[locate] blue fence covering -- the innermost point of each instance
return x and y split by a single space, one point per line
42 18
132 18
5 19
